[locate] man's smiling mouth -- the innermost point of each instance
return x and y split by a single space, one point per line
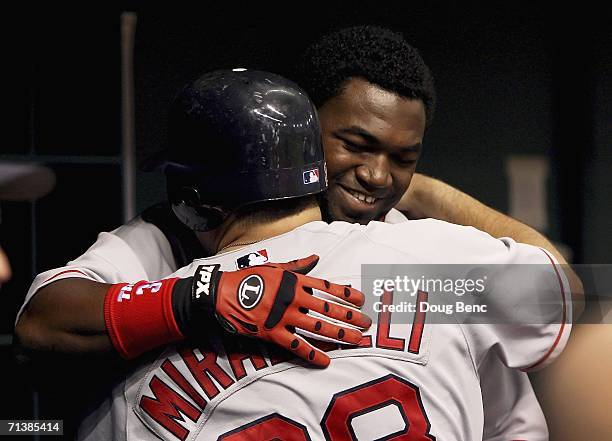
361 197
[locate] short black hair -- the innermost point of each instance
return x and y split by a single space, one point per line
379 55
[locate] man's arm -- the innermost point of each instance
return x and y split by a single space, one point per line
80 316
66 316
431 198
576 392
61 342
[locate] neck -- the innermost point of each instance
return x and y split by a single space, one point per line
234 234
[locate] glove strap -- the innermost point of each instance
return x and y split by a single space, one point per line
204 288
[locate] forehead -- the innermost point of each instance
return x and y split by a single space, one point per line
392 119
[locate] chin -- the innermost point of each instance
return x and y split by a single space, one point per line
366 219
337 214
332 210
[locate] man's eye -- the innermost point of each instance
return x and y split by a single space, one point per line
406 161
352 147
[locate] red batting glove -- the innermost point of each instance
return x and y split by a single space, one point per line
269 301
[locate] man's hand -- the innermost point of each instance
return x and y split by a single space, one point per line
270 301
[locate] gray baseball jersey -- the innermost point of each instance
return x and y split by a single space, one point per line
139 250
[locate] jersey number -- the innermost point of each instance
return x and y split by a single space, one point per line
344 406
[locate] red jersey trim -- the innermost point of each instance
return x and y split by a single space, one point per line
564 319
64 272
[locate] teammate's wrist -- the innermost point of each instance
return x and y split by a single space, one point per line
181 304
194 300
139 317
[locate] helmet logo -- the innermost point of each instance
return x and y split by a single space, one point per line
311 176
250 291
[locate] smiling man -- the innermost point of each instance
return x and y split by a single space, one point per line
372 141
409 379
375 98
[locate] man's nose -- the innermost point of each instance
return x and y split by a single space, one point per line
374 173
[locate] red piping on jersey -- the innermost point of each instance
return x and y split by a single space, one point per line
64 272
552 348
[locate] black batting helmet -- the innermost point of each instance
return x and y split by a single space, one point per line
240 136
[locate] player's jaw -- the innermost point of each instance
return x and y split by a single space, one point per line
352 203
372 139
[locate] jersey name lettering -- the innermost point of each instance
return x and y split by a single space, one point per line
169 409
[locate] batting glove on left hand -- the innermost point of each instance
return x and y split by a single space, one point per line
270 301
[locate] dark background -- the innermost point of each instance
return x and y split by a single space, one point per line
510 79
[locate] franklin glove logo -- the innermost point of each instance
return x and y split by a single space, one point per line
250 291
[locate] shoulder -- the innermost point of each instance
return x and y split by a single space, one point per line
139 233
439 241
148 244
136 244
333 229
429 229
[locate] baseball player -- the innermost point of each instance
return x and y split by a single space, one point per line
155 244
413 379
362 143
110 258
